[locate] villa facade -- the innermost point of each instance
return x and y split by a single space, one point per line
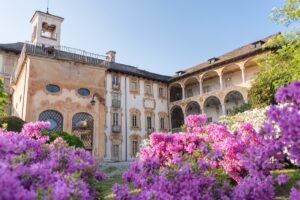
112 106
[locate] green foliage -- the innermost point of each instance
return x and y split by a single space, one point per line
71 140
244 107
3 98
283 191
12 123
280 66
288 13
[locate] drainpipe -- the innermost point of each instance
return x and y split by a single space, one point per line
126 119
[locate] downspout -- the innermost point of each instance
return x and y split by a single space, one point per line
126 119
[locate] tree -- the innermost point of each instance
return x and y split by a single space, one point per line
281 65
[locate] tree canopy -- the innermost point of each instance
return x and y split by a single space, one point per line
281 65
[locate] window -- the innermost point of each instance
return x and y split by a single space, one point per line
115 151
55 119
134 85
206 89
162 123
149 122
115 80
83 127
161 92
134 121
52 88
135 148
115 96
115 119
84 92
148 89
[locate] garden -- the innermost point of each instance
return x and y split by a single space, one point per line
210 161
252 154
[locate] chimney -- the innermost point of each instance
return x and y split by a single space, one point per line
111 56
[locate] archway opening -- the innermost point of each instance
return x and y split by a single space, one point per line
192 87
193 108
212 109
232 75
251 70
177 119
233 100
210 82
175 92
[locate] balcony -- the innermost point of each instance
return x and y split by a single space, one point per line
116 128
116 86
150 130
116 103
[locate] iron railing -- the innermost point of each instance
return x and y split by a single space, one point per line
63 52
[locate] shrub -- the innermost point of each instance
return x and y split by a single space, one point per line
12 123
71 140
32 169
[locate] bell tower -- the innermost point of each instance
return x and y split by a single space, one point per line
46 29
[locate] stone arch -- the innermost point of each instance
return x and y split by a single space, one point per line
83 127
210 81
212 108
251 69
175 92
177 118
191 87
233 99
54 117
193 108
231 75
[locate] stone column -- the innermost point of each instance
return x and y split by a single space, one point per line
223 109
201 87
183 91
221 80
243 74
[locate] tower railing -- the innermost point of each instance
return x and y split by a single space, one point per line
63 52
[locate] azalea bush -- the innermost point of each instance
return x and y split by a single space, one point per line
32 169
255 117
213 162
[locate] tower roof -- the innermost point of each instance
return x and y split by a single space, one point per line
44 13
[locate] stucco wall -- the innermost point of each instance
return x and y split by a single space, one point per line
69 77
129 101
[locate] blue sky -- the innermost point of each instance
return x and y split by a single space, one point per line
161 36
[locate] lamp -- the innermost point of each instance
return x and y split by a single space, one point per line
93 101
101 99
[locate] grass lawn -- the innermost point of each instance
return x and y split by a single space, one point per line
283 191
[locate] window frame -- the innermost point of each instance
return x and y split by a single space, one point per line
84 89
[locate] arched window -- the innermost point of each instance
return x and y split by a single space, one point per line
83 127
54 117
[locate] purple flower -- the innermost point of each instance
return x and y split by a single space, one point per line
282 179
